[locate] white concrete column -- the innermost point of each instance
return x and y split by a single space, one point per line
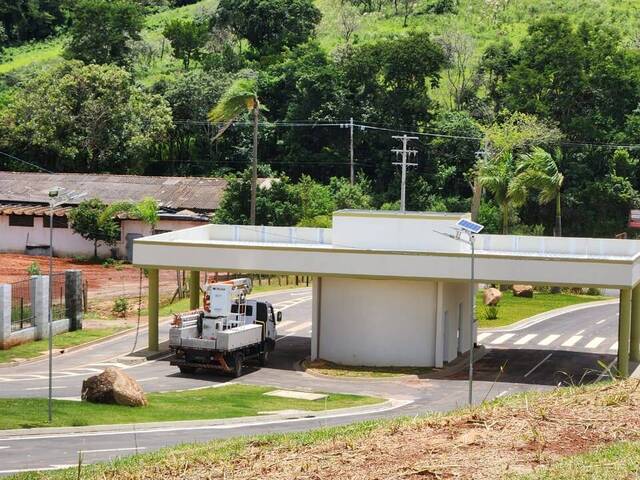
440 326
5 315
40 305
316 313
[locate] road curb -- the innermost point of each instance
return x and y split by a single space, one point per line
94 430
541 317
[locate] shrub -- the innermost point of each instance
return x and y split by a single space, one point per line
120 307
491 312
594 292
34 269
440 7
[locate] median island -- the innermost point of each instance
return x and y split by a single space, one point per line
203 404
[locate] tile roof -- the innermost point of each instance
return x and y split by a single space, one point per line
179 193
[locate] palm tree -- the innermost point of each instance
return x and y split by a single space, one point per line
539 171
241 96
497 176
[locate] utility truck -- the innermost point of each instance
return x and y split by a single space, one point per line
227 331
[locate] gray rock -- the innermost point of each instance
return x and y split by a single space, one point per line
115 387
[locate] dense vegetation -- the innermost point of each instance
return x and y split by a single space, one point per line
526 112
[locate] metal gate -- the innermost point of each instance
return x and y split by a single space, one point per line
22 315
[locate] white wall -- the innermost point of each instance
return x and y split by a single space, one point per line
456 304
67 243
377 322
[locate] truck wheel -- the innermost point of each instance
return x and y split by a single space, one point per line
264 358
237 365
187 370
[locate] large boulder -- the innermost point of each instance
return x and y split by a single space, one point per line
525 291
492 296
113 386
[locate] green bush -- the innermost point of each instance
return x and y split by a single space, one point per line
34 269
120 307
594 292
491 312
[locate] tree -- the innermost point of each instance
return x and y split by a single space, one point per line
146 211
88 221
582 78
242 96
24 20
497 176
187 38
459 49
539 171
86 118
269 25
278 204
101 30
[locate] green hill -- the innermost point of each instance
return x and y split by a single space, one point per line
483 20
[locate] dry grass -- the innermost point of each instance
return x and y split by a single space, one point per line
512 436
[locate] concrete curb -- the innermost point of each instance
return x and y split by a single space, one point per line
191 424
527 322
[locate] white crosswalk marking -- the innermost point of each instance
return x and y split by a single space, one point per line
502 338
549 340
614 346
595 342
526 339
483 335
572 341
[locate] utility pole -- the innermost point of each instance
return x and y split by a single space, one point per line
406 154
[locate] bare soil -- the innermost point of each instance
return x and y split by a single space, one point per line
516 436
103 282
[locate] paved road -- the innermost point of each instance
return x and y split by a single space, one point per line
535 357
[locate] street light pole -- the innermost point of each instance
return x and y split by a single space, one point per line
53 194
470 229
54 201
472 241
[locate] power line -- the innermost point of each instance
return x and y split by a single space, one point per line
25 162
378 127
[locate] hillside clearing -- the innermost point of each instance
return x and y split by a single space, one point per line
532 432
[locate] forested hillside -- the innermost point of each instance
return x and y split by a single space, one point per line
534 103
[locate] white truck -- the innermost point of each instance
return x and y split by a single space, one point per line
227 331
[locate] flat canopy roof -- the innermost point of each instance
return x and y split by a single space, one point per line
394 245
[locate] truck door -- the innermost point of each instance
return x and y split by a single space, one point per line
262 317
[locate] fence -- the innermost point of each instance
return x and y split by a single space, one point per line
22 312
58 306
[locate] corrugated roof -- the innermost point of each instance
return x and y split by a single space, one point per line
192 193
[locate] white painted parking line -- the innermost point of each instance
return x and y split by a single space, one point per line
536 367
526 339
299 327
502 338
572 341
580 332
595 342
57 387
4 447
103 450
600 322
548 340
147 379
482 336
614 346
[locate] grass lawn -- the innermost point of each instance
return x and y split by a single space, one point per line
323 367
513 309
614 462
570 433
63 340
212 403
